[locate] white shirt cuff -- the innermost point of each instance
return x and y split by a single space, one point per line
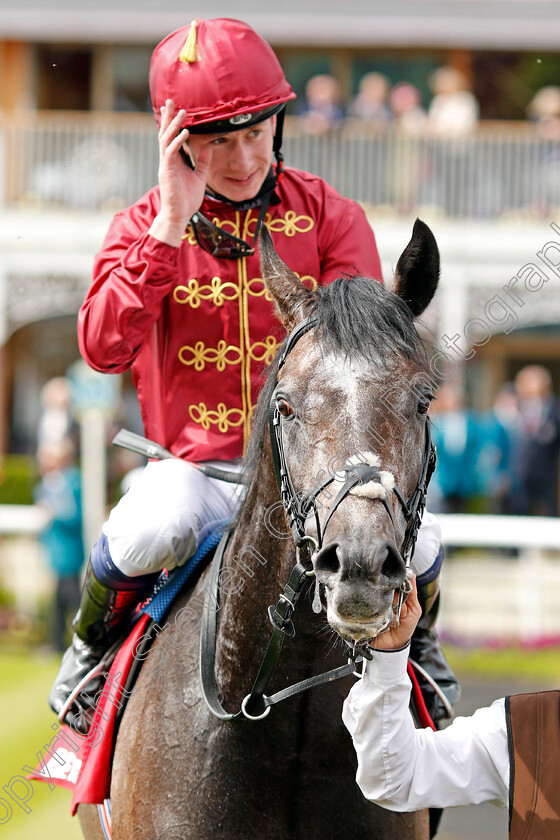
387 667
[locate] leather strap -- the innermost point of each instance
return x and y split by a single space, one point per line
208 636
304 685
281 619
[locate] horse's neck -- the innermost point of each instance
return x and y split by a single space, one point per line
257 565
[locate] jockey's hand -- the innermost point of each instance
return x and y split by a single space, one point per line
395 637
181 188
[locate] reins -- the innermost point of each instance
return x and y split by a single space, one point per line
281 619
298 510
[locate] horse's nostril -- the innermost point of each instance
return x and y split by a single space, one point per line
393 565
327 560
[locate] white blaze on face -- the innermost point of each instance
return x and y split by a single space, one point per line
349 376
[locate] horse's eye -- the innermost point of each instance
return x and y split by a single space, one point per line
284 408
424 405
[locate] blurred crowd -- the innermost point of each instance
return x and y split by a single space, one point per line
504 461
453 109
58 491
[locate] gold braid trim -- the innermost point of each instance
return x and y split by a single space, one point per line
213 355
223 417
264 351
291 224
193 293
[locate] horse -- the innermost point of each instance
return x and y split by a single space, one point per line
346 396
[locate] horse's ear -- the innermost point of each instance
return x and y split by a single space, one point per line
417 272
292 300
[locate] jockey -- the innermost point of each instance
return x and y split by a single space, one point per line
177 296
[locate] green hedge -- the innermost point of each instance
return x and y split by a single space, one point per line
18 476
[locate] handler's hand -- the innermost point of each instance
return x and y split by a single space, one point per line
181 188
397 637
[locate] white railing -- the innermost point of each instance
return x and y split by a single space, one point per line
81 161
488 596
485 596
97 161
23 520
527 533
24 571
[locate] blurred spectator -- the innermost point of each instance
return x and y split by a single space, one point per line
323 109
405 104
59 491
406 168
535 461
55 423
499 431
456 434
454 109
544 110
370 103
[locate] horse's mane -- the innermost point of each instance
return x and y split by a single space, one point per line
358 318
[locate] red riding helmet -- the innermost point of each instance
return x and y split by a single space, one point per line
221 72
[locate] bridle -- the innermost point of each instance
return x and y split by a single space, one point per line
298 509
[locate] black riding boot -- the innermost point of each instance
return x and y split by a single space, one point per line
99 619
425 649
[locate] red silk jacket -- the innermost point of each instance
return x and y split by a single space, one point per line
198 331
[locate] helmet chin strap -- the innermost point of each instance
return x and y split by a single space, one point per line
277 145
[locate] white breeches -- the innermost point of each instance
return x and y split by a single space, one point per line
168 511
428 544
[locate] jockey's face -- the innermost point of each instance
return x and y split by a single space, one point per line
240 159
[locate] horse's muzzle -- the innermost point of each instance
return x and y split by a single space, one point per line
359 590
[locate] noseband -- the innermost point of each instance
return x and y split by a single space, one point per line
300 507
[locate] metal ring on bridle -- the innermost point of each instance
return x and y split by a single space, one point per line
254 717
